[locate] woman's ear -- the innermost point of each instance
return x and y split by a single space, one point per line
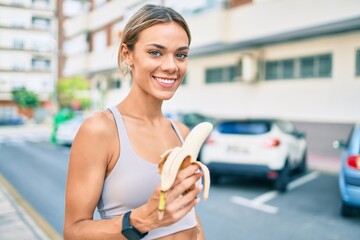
125 54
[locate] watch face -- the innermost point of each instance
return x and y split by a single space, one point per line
131 234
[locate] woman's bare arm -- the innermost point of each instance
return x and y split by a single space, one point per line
86 173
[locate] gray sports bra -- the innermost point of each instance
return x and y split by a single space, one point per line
132 181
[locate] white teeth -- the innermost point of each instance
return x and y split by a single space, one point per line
164 80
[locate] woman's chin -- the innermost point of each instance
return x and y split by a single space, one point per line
165 97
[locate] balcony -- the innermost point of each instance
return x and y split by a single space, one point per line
95 19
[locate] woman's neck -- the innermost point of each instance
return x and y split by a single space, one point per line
145 108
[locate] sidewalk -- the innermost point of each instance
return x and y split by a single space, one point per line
15 223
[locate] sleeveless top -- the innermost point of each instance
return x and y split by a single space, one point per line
132 181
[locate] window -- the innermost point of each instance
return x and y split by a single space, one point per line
357 62
116 31
325 65
115 84
244 127
222 74
307 67
99 3
99 41
18 65
316 66
41 22
47 2
40 64
319 66
214 75
288 68
284 69
271 70
18 44
17 3
17 23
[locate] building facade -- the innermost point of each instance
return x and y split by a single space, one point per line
28 50
271 58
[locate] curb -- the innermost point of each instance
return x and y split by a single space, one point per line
41 225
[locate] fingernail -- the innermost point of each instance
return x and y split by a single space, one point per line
197 200
201 187
195 165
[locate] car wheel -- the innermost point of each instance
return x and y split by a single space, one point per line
282 181
303 164
346 210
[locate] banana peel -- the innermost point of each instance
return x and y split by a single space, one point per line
173 160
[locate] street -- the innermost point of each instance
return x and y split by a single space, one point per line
237 208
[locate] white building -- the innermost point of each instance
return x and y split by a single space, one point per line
28 44
275 58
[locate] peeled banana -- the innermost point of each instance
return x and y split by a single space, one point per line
178 158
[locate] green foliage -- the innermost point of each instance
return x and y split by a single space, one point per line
25 98
73 93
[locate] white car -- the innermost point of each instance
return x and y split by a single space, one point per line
266 148
67 131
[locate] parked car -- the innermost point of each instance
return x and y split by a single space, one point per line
265 148
67 130
13 120
190 119
349 176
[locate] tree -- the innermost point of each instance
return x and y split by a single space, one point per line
25 98
73 92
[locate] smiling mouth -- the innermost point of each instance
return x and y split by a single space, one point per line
166 82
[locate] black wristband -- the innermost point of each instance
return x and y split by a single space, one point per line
129 231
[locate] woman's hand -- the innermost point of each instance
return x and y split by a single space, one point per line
178 204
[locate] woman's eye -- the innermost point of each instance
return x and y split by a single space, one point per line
182 55
155 53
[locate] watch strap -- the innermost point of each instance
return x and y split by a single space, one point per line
129 231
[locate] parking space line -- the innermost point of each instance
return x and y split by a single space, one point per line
263 198
258 203
258 206
300 181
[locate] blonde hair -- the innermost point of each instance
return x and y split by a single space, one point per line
147 16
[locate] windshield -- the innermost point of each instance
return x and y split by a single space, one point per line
244 127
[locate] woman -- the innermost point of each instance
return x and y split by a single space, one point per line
114 157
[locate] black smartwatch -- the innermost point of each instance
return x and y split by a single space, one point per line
130 232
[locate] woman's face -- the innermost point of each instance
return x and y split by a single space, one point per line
159 59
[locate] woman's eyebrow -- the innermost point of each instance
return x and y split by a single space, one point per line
183 48
163 47
156 45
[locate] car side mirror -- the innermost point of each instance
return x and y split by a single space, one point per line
339 144
300 134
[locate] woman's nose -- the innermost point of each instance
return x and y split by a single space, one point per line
169 64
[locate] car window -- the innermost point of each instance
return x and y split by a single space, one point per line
285 126
354 140
245 127
348 141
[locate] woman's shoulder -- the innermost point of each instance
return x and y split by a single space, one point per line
93 140
184 130
98 124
